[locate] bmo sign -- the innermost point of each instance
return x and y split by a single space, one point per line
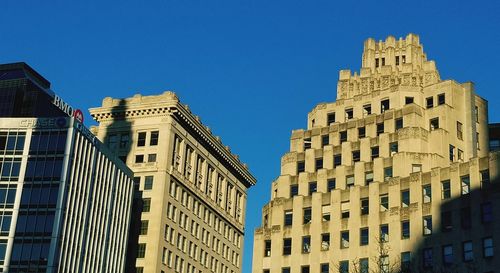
68 109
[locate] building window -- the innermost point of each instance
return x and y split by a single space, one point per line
344 209
307 216
429 102
380 128
368 178
398 123
367 109
486 213
376 63
325 241
325 140
151 157
306 244
448 255
287 246
405 230
304 269
337 160
445 189
267 248
403 58
301 166
468 254
405 198
393 147
465 218
384 105
375 152
344 239
406 261
459 131
383 61
285 270
384 202
488 247
356 156
384 264
363 265
325 213
428 258
409 100
139 269
485 179
343 136
312 187
141 139
331 184
154 138
307 143
415 168
288 218
319 163
460 155
441 99
363 236
477 141
349 114
452 153
365 206
344 265
144 227
139 158
294 190
148 183
387 173
446 221
384 233
426 193
330 117
465 182
397 60
476 113
427 225
325 268
350 181
146 204
434 124
141 250
361 132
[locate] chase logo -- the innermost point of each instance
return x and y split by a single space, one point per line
61 122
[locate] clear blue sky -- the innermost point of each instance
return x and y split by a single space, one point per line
251 69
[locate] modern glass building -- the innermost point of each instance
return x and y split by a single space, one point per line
65 199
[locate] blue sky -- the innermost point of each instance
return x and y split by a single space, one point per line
250 69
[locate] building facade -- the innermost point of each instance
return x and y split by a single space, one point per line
394 176
190 193
65 198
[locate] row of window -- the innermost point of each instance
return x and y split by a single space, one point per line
349 112
381 61
12 143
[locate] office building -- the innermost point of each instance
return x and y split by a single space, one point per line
395 175
65 198
190 197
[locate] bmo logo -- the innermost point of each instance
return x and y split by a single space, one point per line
68 109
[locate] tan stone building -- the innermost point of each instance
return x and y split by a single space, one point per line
395 175
190 189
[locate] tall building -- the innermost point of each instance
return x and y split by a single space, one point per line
394 176
65 199
190 189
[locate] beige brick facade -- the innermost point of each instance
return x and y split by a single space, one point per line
395 174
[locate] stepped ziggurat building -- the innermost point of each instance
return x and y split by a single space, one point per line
394 176
190 193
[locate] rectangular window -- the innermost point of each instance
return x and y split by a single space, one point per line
306 244
384 233
486 213
363 265
304 269
387 173
384 105
287 246
468 254
465 182
307 216
368 178
337 160
446 221
488 247
148 182
452 153
485 178
427 258
367 109
343 136
429 102
426 193
330 117
403 59
325 268
427 225
313 187
344 239
409 100
344 267
350 181
146 204
325 140
406 261
285 270
383 61
294 190
398 123
441 99
405 230
460 155
405 198
325 241
151 157
325 213
465 218
384 202
384 264
375 152
331 184
380 128
365 206
448 255
139 158
459 131
154 138
393 148
141 250
363 236
344 209
319 164
307 143
267 248
144 227
445 189
397 60
141 139
349 114
301 166
356 156
288 218
361 132
434 124
376 63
